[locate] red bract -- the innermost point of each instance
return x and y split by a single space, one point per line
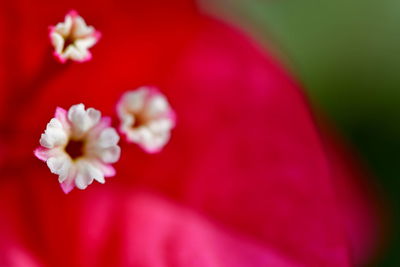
246 179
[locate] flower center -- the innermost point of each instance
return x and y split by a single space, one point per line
67 42
74 148
140 120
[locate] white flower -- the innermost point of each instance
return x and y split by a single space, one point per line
72 38
146 118
79 146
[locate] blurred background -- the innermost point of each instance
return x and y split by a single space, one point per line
346 53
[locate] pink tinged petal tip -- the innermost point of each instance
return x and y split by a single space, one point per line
42 153
73 13
67 186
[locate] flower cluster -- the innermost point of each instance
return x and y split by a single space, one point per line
246 178
79 145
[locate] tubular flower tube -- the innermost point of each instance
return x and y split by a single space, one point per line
245 179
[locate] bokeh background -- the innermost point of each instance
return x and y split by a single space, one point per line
347 55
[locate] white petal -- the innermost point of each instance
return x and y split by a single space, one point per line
80 28
108 137
64 28
82 179
140 134
95 173
62 115
93 116
69 171
57 41
82 120
54 135
76 113
160 125
87 171
127 121
59 164
43 153
74 53
157 105
106 169
110 154
135 100
85 43
156 142
68 184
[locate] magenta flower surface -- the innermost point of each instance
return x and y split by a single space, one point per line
244 176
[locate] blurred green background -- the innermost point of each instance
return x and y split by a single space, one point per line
347 54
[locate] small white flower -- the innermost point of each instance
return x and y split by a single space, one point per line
72 38
146 118
79 146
